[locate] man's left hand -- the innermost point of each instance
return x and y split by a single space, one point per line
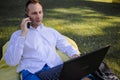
75 55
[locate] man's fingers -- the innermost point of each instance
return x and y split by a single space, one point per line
26 20
75 55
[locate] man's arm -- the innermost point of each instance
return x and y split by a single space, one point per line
64 46
14 49
16 44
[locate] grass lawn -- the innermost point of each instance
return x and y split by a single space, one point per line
91 24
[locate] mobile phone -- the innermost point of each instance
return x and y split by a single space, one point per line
28 24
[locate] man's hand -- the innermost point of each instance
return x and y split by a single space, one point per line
75 55
23 26
85 78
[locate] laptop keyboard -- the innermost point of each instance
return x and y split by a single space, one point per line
51 74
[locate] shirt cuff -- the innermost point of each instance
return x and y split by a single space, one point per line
71 52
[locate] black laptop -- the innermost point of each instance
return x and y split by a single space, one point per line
76 68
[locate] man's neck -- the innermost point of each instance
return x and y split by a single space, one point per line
34 26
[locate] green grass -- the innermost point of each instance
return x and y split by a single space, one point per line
91 24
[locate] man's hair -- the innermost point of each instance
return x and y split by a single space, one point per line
31 2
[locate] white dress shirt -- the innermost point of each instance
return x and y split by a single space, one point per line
36 49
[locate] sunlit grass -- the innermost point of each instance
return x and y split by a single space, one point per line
114 65
90 29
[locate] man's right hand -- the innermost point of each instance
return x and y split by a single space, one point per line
23 26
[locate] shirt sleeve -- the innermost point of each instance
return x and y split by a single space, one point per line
65 47
14 50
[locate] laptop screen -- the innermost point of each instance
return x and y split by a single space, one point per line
77 68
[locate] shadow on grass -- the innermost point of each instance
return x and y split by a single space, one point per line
110 9
16 8
2 42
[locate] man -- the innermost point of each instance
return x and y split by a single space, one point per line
34 48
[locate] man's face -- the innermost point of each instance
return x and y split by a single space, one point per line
35 13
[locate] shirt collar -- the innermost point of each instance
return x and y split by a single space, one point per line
39 28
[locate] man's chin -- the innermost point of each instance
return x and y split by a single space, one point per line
36 24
